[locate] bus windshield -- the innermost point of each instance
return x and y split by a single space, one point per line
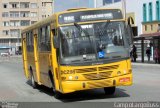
95 41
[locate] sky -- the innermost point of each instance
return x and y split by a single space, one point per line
61 5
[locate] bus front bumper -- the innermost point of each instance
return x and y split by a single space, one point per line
72 86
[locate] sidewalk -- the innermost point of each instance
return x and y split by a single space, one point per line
11 58
145 63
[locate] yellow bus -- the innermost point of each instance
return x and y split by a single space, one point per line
78 49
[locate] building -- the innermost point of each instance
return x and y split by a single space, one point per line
16 15
151 18
101 3
151 24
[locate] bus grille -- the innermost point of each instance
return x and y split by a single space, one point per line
101 75
92 76
104 68
108 67
86 70
105 74
99 84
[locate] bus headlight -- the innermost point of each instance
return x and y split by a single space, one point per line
125 71
70 77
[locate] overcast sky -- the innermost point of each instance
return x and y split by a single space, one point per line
61 5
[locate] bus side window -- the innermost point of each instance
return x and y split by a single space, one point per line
39 39
31 42
44 39
48 42
29 39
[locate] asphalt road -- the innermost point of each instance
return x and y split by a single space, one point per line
15 88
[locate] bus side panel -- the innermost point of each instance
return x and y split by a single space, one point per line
44 68
31 64
25 62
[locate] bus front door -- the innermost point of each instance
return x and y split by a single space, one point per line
36 59
25 62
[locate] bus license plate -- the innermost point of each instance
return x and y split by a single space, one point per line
126 79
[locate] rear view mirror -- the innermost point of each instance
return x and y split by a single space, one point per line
56 42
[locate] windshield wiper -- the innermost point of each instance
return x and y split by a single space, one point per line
87 34
104 28
101 32
82 30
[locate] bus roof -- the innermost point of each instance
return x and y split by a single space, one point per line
39 23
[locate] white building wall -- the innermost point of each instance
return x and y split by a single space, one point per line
135 6
98 3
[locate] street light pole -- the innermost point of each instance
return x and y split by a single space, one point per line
53 5
78 4
95 3
124 8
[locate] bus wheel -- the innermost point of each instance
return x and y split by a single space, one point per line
33 83
109 90
58 95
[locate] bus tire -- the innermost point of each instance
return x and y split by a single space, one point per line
33 83
58 95
52 80
109 90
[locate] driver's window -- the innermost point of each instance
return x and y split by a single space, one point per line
115 34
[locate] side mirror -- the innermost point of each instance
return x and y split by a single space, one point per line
129 35
56 41
135 31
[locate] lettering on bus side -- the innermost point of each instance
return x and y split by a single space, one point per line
67 72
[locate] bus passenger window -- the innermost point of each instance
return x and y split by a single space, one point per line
44 39
29 42
48 42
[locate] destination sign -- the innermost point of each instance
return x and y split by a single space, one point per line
91 15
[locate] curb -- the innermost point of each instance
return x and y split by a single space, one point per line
145 64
